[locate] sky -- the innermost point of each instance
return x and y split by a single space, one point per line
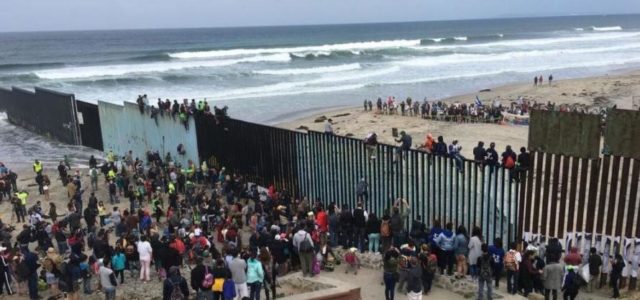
48 15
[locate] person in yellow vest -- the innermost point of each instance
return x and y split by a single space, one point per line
21 211
111 157
171 188
37 167
111 175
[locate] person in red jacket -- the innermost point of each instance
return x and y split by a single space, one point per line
322 220
573 258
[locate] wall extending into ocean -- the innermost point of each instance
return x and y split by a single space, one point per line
124 128
46 112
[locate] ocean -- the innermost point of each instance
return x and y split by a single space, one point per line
273 74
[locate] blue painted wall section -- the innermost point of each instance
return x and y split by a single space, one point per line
124 128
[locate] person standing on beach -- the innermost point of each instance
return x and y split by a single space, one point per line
365 104
37 167
328 127
550 78
540 80
535 81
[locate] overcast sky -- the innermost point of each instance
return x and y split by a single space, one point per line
35 15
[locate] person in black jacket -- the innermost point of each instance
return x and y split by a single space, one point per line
198 274
440 149
373 233
346 228
359 223
479 154
174 281
492 157
616 274
31 259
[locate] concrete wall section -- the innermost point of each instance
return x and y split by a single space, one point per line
124 128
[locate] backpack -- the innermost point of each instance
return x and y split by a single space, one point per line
305 245
509 163
510 261
385 230
22 270
432 264
485 268
176 293
229 289
207 282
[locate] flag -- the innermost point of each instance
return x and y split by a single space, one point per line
478 102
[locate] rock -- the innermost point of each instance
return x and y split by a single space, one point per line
349 135
485 90
320 119
302 127
341 115
534 296
563 94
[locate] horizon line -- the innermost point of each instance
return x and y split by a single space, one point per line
325 24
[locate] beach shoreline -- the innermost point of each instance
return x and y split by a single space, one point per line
600 91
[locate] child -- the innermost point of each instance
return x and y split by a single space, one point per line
353 263
118 262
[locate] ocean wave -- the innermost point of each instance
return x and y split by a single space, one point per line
315 70
323 54
293 87
578 29
120 70
151 57
21 66
302 49
610 28
455 39
457 58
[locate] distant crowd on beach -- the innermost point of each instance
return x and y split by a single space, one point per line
476 112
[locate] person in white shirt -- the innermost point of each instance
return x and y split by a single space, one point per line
145 251
328 127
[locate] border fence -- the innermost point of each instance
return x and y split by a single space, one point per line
328 168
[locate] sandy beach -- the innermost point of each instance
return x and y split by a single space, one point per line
602 91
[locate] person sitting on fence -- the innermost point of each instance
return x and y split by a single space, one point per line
405 145
522 166
479 154
371 142
440 149
328 127
428 144
492 157
454 152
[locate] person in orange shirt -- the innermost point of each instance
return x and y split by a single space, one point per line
428 144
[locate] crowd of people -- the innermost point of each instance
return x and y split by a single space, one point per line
475 112
182 111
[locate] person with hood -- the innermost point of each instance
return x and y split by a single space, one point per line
255 276
175 285
445 242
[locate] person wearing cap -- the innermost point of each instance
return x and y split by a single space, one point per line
198 273
5 277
